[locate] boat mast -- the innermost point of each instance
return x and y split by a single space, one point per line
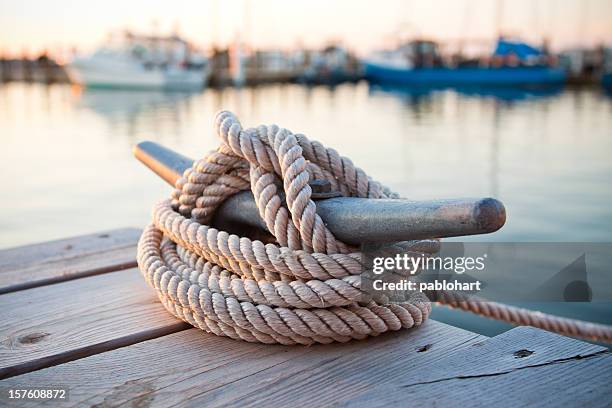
215 24
467 12
499 16
535 22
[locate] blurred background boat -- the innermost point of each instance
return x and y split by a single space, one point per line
331 66
141 62
420 63
606 78
171 63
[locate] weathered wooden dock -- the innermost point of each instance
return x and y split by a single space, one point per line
77 314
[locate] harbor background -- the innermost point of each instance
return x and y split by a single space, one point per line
67 166
251 43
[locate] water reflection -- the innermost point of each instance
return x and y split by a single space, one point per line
114 103
416 94
123 110
546 155
542 151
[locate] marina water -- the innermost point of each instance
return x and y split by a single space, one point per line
67 166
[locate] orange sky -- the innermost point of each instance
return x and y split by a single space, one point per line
31 26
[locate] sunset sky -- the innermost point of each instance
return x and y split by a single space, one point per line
31 26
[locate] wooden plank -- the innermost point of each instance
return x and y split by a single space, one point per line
51 262
53 324
195 368
133 374
66 248
323 378
573 383
524 367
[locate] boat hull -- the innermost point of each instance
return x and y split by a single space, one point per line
465 76
121 77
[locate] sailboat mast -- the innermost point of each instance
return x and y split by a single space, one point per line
215 24
499 16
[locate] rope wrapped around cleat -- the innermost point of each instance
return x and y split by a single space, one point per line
302 289
303 286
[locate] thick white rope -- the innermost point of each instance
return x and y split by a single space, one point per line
305 286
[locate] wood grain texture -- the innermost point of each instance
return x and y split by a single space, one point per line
575 383
522 367
51 262
53 324
323 378
107 338
195 368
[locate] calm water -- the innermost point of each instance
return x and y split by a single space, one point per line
67 166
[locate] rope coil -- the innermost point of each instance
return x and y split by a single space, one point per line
305 287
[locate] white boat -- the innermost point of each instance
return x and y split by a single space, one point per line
141 62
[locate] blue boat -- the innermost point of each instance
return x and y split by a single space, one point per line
420 64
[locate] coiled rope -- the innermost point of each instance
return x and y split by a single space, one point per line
305 287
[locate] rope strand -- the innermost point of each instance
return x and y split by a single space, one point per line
303 289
